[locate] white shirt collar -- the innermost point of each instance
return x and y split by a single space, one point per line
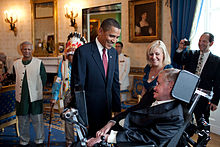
205 54
100 47
205 57
160 102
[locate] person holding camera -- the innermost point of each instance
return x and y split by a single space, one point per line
206 65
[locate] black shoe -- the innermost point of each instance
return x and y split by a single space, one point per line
40 145
20 145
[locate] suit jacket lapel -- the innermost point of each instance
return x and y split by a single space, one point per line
197 56
110 62
208 63
96 56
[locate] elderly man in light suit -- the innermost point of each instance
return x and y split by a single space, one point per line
124 69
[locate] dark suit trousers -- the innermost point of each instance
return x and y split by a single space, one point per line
202 110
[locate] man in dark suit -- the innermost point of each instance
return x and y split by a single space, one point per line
155 124
203 63
95 69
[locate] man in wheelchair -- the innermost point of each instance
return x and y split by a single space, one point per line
159 119
154 125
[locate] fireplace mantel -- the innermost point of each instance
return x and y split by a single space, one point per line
51 63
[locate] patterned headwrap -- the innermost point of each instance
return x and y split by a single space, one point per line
74 41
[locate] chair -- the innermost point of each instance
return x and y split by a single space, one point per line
134 92
191 96
7 105
185 90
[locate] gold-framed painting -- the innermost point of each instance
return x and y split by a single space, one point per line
94 27
144 20
44 10
61 47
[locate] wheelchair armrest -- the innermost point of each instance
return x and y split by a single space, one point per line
126 144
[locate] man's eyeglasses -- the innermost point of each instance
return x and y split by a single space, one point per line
117 46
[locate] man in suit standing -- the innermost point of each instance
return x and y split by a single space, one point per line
155 124
124 69
203 63
95 69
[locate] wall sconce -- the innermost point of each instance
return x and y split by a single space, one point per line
11 18
70 14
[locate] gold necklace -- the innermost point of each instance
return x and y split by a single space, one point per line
154 76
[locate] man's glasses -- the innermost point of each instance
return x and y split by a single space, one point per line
117 46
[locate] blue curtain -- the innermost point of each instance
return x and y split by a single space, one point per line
182 13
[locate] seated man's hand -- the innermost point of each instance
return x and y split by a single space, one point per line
213 107
92 141
105 129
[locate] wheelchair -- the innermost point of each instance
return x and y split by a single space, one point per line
189 96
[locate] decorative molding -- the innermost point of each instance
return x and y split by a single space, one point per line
137 70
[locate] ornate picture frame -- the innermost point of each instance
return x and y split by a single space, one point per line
144 20
61 47
44 10
94 26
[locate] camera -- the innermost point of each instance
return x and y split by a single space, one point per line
67 114
186 43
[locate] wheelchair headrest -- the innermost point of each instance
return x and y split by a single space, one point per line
185 86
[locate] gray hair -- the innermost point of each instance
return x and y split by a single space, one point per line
170 74
161 45
26 43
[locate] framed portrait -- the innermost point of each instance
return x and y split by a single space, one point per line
94 26
43 10
144 20
61 47
50 44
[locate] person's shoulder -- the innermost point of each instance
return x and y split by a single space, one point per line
84 49
168 66
18 60
87 45
37 59
193 51
147 68
215 57
138 24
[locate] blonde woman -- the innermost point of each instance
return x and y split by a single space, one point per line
158 59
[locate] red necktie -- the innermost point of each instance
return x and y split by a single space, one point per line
105 62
